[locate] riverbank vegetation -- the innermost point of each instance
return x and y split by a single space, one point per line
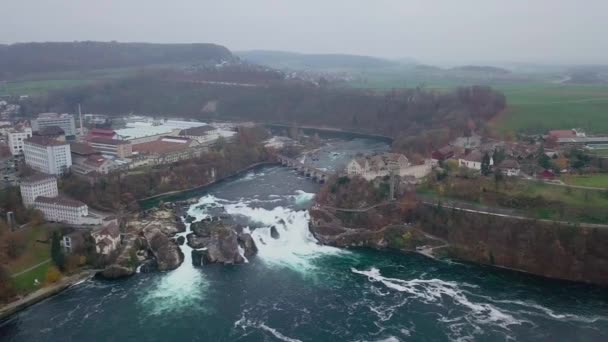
533 198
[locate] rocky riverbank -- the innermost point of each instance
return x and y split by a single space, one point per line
380 228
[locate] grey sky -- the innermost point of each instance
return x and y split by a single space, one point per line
432 31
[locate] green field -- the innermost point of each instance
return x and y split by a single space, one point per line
42 83
38 87
34 254
24 283
595 181
537 108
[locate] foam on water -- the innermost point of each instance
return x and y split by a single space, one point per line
303 197
245 324
179 288
436 291
295 248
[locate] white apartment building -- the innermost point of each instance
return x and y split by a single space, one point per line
47 155
65 121
66 210
38 185
16 140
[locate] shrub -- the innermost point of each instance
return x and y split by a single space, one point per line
53 275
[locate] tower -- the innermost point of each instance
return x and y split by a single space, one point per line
80 116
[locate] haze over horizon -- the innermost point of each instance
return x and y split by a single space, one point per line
445 32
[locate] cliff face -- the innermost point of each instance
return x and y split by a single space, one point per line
549 249
379 228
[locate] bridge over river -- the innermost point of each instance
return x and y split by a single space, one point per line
305 169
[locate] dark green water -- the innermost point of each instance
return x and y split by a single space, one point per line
296 290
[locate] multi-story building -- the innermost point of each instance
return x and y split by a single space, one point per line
47 155
65 121
38 185
16 140
113 147
65 210
205 135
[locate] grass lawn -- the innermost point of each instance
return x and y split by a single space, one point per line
24 283
537 108
597 180
35 252
568 196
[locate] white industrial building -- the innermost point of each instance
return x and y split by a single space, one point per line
65 210
38 185
65 121
47 155
16 140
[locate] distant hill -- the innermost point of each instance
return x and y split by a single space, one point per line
282 59
23 58
481 69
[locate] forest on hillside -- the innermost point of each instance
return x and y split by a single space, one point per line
26 58
267 98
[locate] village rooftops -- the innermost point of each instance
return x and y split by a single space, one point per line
37 178
62 201
44 141
474 156
566 133
107 141
197 131
509 164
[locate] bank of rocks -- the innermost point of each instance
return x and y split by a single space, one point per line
216 240
149 243
378 228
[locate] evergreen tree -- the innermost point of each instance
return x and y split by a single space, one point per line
56 251
498 156
485 164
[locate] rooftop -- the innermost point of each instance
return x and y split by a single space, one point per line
82 149
50 131
509 164
37 178
44 141
108 141
147 127
160 147
63 201
197 131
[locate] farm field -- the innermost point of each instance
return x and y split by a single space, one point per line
536 108
42 83
596 180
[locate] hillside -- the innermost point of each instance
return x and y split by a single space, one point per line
282 59
25 58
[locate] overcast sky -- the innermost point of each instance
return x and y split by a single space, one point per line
431 31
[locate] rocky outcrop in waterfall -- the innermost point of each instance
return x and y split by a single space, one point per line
215 241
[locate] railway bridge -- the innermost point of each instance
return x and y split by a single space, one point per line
305 169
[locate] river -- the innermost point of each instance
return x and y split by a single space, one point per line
297 290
